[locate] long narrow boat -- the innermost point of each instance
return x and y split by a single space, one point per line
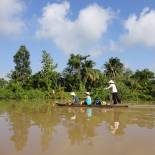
94 106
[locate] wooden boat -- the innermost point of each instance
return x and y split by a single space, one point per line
94 106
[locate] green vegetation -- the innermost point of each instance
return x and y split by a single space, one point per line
80 75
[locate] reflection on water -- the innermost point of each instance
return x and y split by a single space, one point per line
19 123
77 131
115 125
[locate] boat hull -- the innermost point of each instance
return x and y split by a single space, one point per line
94 106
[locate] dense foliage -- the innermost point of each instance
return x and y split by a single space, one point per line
80 75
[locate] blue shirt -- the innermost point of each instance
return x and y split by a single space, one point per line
88 100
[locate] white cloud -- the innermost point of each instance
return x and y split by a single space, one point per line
111 46
140 29
10 17
73 35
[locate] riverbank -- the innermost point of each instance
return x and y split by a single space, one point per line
101 94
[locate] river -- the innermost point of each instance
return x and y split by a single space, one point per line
77 131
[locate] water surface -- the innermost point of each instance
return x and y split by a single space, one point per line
74 131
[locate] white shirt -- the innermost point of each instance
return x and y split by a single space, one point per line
113 88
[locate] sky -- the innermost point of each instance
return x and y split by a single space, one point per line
101 28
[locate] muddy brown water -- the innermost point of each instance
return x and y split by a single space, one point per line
77 131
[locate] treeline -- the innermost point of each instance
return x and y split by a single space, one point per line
79 75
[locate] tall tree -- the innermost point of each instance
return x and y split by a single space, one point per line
72 73
113 68
48 74
22 72
47 63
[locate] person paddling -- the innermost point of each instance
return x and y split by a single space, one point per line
113 88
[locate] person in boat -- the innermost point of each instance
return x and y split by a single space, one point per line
87 100
114 92
75 99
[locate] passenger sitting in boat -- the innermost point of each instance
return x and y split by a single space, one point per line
87 100
75 99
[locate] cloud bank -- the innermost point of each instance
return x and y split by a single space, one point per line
140 29
73 35
10 17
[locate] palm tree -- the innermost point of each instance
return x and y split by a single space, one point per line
113 67
73 72
88 73
80 70
74 63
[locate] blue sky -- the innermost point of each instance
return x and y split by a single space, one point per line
101 28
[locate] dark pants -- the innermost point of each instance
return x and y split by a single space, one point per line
115 98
